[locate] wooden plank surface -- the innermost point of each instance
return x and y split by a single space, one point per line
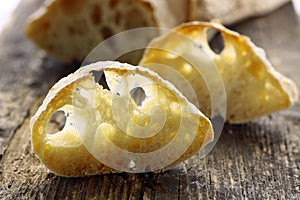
257 160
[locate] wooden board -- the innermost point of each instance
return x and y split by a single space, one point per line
257 160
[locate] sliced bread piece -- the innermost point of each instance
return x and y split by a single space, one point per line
253 87
70 29
117 128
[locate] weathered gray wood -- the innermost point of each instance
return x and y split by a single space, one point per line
257 160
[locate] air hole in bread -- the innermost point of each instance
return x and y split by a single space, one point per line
78 29
96 15
106 32
113 3
99 77
70 7
57 122
134 19
216 41
138 95
71 30
118 17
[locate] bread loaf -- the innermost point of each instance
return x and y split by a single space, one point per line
70 29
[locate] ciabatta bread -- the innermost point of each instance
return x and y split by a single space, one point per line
70 29
253 87
106 126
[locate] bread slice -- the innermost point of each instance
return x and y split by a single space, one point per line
253 87
231 11
70 29
117 128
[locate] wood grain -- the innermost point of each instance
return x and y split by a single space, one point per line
257 160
